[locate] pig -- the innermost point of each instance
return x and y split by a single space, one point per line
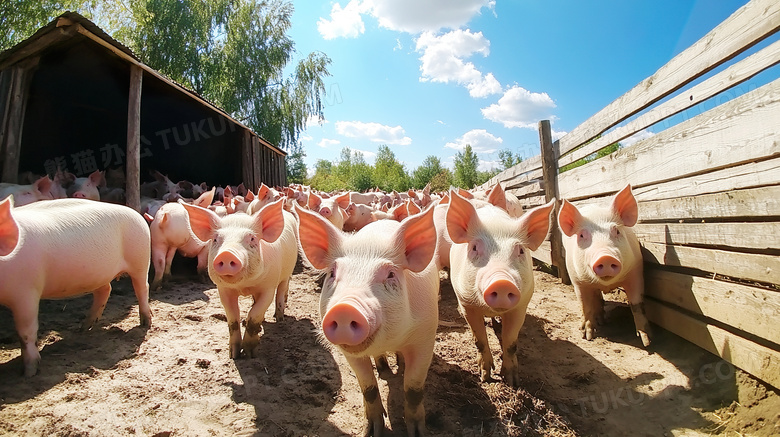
87 188
333 208
26 194
380 295
68 247
248 255
170 231
491 272
358 216
603 253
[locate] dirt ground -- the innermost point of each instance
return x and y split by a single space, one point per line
176 379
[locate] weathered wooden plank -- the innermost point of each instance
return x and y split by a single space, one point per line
528 165
257 176
247 162
550 176
133 179
748 266
748 25
34 48
20 87
5 106
749 175
517 181
732 76
749 309
760 361
736 132
543 253
760 236
754 202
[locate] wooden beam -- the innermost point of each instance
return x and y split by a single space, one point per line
760 361
750 235
247 159
748 25
753 202
133 184
258 177
35 47
737 132
21 77
550 177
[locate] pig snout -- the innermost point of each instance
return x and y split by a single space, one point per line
226 263
325 212
501 291
79 195
606 266
344 324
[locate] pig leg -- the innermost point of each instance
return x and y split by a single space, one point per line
476 322
417 360
511 322
592 310
635 288
158 261
26 321
203 263
99 300
168 261
254 322
281 299
141 289
233 314
375 412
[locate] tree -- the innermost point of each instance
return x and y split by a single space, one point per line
423 174
389 174
296 167
509 159
233 52
441 181
466 164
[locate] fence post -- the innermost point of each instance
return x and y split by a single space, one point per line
550 177
133 151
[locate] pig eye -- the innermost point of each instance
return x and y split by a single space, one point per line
521 251
391 275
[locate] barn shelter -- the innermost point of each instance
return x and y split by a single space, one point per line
74 98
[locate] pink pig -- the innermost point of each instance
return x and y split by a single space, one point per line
358 216
170 231
333 208
380 295
87 188
26 194
249 255
64 248
603 253
491 272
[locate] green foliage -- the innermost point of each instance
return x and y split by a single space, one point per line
466 174
389 174
442 181
423 174
233 52
600 154
296 167
324 179
508 159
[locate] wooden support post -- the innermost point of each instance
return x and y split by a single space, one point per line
258 179
133 184
247 159
21 77
550 177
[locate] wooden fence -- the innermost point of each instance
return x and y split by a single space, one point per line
708 187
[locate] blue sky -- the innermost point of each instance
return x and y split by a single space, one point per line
427 77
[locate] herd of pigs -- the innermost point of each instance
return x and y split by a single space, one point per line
380 254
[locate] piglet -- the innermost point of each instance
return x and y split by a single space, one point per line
26 194
491 272
249 255
64 248
88 187
603 253
380 295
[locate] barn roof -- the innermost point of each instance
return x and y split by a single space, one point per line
71 24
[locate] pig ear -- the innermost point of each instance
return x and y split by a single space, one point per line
400 212
536 223
445 200
205 199
343 200
9 230
43 185
269 221
418 237
250 196
465 194
412 208
461 216
569 218
262 191
625 206
497 197
203 222
314 202
317 238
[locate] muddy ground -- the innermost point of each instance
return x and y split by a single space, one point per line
176 379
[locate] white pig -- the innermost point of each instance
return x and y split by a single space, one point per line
170 231
64 248
249 255
603 253
26 194
333 208
491 272
358 216
87 188
379 295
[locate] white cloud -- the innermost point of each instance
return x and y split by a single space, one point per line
305 138
344 22
520 108
325 143
480 140
415 16
314 121
489 165
557 135
374 132
443 61
639 136
398 45
366 153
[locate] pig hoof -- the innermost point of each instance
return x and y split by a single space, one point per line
645 336
155 286
85 326
511 376
383 367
